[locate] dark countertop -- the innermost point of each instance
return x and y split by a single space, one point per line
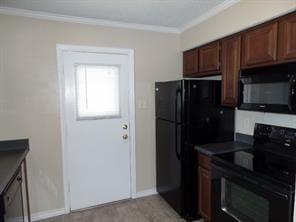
12 154
242 142
216 148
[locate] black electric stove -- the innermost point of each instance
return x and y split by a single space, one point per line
257 184
261 164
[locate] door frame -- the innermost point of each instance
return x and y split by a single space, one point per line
60 50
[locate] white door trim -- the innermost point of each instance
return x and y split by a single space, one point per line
61 49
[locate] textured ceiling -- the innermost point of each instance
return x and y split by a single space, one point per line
167 13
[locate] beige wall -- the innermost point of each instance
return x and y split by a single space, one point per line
242 15
29 93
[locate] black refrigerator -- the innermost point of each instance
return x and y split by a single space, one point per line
188 113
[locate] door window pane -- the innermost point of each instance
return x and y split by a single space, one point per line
97 88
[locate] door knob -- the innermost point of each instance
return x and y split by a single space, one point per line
125 136
124 126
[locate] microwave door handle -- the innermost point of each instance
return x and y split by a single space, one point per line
292 96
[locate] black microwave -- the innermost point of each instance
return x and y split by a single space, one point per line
268 89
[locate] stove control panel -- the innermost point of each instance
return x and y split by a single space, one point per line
275 134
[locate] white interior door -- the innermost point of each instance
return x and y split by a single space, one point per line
97 128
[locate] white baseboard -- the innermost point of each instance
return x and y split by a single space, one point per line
58 212
145 193
47 214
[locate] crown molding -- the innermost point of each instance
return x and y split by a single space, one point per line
82 20
214 11
108 23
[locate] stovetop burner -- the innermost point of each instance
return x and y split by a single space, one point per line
273 156
263 164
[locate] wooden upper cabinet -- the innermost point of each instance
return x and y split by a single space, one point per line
209 58
287 38
231 51
260 45
190 62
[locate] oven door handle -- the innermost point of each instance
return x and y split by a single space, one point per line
275 192
228 174
252 181
292 96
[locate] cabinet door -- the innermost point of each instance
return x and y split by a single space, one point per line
260 45
287 38
209 58
204 161
230 69
204 193
190 62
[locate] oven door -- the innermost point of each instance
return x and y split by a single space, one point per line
240 198
268 92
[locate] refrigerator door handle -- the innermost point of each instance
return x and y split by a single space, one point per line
178 152
177 102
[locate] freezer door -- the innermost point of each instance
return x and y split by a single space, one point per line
168 100
168 163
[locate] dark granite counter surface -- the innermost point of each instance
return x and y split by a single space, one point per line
12 154
242 142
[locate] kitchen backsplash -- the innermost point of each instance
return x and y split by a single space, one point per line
245 120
